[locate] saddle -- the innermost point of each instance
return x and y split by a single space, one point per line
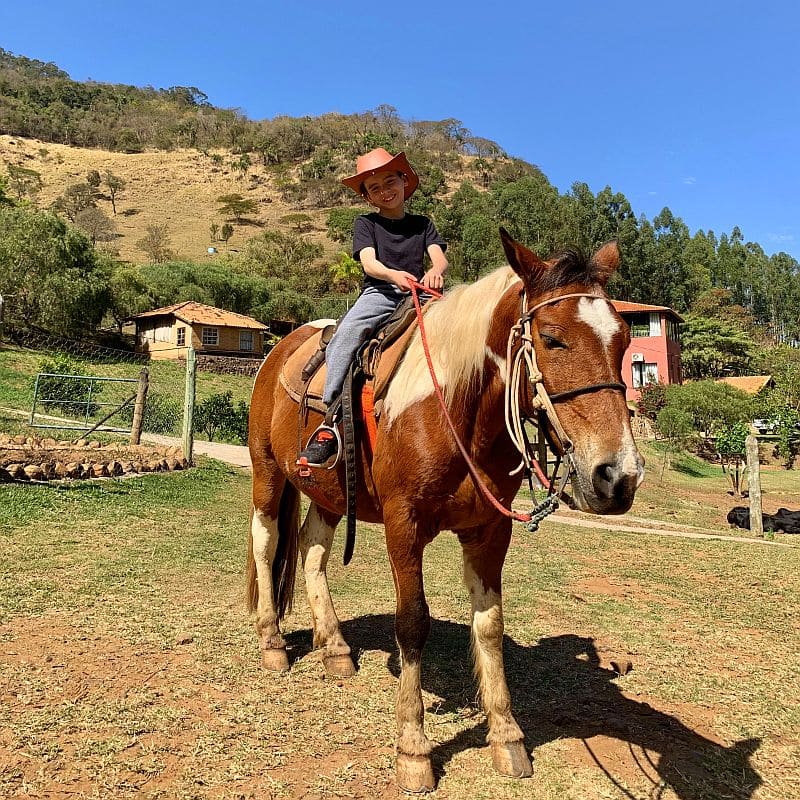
303 373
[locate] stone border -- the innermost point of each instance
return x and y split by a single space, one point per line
28 458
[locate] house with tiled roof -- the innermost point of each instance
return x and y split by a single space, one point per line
654 354
168 332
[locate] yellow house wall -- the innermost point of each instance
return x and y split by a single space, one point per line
228 342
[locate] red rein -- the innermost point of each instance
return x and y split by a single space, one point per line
414 286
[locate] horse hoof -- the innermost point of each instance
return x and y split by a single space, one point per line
415 773
340 666
511 759
275 660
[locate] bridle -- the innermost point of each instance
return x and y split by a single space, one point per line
523 361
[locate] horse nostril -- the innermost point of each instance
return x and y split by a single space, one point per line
604 479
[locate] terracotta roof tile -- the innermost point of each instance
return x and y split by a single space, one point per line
752 384
623 305
193 312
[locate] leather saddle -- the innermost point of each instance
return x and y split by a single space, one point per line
303 373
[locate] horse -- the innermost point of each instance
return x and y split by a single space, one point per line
417 483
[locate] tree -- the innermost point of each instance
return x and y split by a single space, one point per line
340 222
227 232
56 278
712 348
710 404
115 185
235 205
96 224
213 413
730 446
156 244
346 272
214 229
674 426
24 181
76 198
300 222
93 178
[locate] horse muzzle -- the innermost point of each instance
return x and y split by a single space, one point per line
607 485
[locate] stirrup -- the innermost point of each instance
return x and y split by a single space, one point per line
303 460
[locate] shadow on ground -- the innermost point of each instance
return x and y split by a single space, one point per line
560 690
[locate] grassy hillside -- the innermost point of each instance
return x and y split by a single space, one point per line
178 187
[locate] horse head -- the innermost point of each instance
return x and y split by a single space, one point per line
578 341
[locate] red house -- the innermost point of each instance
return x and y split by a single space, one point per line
654 354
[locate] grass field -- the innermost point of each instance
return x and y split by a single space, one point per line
130 669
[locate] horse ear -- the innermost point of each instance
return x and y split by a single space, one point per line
524 262
604 262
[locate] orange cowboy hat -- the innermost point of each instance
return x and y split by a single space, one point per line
380 160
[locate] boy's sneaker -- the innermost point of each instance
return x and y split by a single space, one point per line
321 448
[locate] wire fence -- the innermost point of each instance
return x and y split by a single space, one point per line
55 382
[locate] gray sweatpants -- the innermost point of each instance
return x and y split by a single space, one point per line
367 314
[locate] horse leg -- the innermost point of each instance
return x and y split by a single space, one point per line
412 625
316 537
484 551
272 556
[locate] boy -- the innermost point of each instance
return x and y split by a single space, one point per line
391 246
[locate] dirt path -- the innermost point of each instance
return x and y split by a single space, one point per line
234 454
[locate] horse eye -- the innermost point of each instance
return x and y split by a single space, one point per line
550 342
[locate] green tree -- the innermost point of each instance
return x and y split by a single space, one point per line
57 280
300 222
226 232
730 446
76 198
214 230
236 206
115 185
675 427
341 220
97 225
93 178
24 181
710 404
346 272
712 348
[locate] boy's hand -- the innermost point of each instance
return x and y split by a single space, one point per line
400 278
433 279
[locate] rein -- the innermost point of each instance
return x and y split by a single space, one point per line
524 360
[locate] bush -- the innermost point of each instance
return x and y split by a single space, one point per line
72 396
217 415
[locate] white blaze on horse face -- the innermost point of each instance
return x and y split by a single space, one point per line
597 314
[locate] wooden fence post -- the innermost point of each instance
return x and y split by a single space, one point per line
139 406
188 405
754 482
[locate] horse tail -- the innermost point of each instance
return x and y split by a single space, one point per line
284 565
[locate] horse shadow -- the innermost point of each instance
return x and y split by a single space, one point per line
560 690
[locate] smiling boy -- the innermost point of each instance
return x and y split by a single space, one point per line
391 246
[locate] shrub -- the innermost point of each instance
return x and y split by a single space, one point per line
72 396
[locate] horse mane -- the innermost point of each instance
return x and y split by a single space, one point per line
457 327
569 266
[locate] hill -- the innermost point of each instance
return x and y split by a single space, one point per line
179 187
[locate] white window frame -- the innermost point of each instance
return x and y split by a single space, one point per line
210 337
643 373
180 333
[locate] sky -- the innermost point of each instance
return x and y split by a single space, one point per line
690 105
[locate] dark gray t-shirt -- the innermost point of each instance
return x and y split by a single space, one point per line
399 243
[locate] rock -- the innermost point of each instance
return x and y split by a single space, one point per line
86 470
60 469
5 438
184 638
72 470
98 470
94 445
48 443
34 472
30 441
5 476
115 468
18 439
622 667
16 471
173 464
184 463
80 443
155 466
49 469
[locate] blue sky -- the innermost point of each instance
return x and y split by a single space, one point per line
694 106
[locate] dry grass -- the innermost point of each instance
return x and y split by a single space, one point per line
178 187
100 583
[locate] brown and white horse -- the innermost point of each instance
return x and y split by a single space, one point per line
418 482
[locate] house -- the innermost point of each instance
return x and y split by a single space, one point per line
654 354
167 333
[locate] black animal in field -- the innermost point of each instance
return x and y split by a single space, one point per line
782 520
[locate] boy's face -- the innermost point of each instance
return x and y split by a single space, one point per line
386 191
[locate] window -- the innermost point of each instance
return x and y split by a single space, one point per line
245 340
673 331
645 324
644 373
210 336
180 339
